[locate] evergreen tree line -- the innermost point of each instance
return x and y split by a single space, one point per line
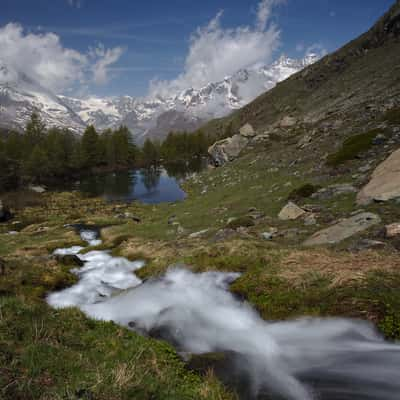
177 147
40 155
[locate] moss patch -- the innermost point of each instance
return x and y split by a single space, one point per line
392 116
352 147
241 222
303 192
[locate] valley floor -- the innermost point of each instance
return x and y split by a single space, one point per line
228 223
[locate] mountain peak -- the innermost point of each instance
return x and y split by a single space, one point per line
191 106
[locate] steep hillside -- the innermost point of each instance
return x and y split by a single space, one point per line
359 82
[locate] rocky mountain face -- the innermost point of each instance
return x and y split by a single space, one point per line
149 117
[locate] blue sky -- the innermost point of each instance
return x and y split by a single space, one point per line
128 43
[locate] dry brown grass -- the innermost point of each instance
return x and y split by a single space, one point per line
340 267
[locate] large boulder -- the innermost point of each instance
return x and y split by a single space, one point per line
5 213
291 212
247 131
344 229
227 150
385 182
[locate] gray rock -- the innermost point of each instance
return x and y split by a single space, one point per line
267 235
224 234
379 139
385 182
291 212
198 234
171 219
256 215
247 131
69 259
344 229
227 150
310 220
270 234
334 190
365 244
37 189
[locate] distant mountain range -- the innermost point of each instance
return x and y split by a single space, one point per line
155 117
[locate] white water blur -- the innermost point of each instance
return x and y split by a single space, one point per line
306 359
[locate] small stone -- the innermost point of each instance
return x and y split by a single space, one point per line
198 234
379 139
392 230
365 244
42 229
256 215
37 189
171 219
267 235
180 230
310 220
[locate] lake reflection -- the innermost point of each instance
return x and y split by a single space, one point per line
151 185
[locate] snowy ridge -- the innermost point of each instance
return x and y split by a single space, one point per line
145 117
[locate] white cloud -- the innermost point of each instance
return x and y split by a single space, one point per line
264 11
43 58
216 52
317 48
75 3
104 58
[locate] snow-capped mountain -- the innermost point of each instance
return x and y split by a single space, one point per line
20 96
147 117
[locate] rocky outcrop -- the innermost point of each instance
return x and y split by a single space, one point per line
344 229
5 213
385 182
227 150
291 212
247 131
69 259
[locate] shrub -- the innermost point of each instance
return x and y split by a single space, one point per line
352 147
303 192
241 222
392 116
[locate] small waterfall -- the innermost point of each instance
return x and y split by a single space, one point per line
305 359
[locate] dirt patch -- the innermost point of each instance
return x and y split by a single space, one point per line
342 268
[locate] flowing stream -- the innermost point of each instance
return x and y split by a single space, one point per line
305 359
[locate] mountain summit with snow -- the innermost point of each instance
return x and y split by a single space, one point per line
145 117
